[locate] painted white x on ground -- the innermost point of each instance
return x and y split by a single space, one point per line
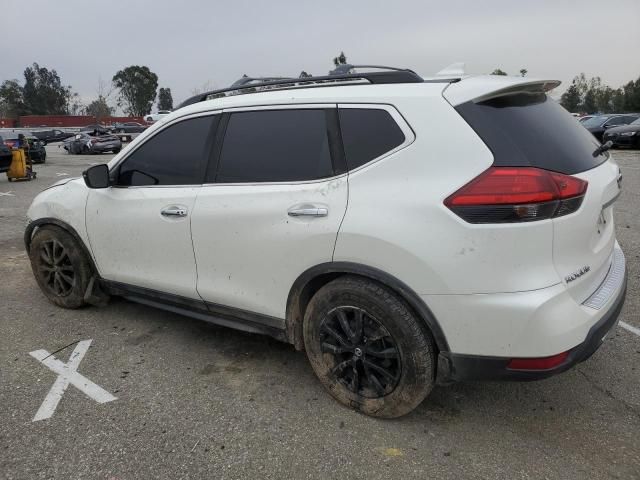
67 374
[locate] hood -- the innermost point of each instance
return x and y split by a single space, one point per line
59 183
624 128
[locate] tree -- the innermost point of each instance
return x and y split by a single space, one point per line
590 99
137 89
11 99
165 100
497 71
571 99
99 108
340 59
523 72
304 74
43 92
632 96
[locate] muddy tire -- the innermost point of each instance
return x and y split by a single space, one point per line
368 348
60 266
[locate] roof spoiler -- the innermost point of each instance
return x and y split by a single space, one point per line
482 88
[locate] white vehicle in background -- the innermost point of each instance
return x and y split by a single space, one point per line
154 117
402 231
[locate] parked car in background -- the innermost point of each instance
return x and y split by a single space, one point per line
100 129
37 153
598 125
624 136
128 127
51 136
154 117
5 156
585 118
87 142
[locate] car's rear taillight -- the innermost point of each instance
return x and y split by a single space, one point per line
517 194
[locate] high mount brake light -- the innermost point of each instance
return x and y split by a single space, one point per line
517 194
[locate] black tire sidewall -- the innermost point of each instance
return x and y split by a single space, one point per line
81 266
413 341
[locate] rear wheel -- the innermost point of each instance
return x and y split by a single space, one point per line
367 348
60 266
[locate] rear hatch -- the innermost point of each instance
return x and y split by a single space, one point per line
523 127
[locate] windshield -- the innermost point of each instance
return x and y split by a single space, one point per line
595 121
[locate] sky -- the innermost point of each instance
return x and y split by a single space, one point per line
195 43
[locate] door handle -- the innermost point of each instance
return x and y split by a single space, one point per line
309 212
174 212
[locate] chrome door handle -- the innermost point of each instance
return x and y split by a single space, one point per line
309 212
174 212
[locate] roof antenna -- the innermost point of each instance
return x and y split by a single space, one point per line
453 70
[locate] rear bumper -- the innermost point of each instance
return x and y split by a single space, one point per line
607 301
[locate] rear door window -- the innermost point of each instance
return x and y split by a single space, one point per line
175 156
529 129
368 133
275 146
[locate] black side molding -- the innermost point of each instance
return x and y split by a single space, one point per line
209 312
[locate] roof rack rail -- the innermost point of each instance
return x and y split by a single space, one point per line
341 75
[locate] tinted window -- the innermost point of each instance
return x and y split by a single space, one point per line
367 134
532 130
617 121
175 156
275 146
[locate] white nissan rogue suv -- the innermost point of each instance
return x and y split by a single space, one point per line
402 231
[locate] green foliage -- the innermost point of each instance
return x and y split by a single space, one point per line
137 89
340 59
497 71
165 100
592 96
43 92
11 99
99 108
571 99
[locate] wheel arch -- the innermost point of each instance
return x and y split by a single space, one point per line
43 222
314 278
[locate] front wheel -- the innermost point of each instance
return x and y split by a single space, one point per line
367 347
60 266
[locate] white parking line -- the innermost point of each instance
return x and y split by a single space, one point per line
626 326
61 174
7 194
67 374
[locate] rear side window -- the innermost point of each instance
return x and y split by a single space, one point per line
367 134
275 146
532 130
175 156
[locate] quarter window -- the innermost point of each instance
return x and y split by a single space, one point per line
367 134
275 146
175 156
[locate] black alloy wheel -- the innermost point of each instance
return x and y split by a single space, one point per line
365 357
56 270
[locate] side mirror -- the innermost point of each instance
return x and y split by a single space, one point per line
97 176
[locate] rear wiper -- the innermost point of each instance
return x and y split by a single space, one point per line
602 148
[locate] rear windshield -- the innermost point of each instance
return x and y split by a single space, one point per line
532 130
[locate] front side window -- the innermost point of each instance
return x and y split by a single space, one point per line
275 146
175 156
367 134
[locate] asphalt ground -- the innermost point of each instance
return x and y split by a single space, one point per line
200 401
